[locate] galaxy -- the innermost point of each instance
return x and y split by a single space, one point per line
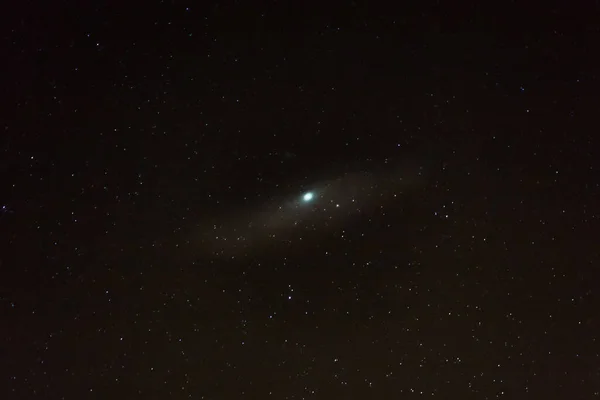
316 208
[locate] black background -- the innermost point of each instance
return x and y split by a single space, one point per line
125 127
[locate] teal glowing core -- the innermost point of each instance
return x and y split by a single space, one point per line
308 196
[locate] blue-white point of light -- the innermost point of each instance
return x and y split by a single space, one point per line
308 196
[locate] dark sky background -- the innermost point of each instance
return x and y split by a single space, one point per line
127 130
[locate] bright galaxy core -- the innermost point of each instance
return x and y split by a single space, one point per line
307 196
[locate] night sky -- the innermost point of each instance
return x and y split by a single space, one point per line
249 200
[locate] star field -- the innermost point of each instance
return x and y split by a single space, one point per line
258 200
